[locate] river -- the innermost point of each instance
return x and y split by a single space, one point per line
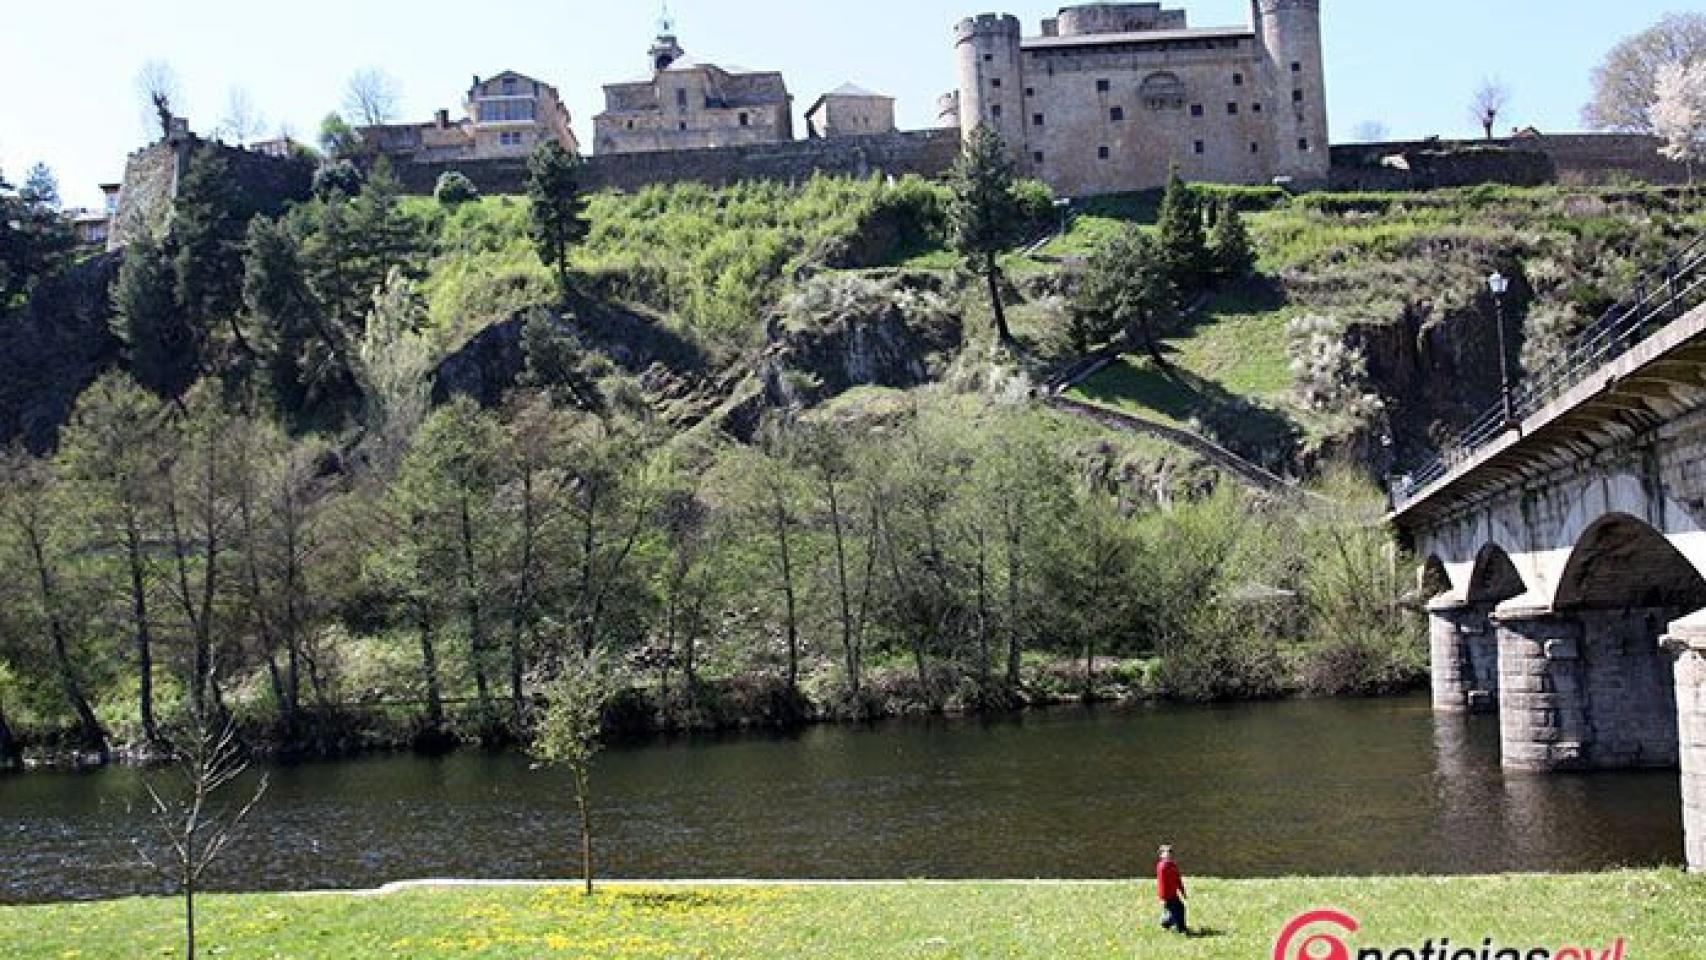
1250 790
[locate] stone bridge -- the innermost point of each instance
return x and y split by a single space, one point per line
1563 549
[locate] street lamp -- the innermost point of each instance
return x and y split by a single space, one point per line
1500 285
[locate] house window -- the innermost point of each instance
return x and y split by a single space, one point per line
509 86
1238 79
681 97
1036 119
1297 96
1116 114
1303 145
1196 110
1232 109
1102 86
1201 147
1102 153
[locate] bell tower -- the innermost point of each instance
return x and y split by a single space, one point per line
666 49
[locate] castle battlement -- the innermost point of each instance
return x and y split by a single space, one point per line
988 25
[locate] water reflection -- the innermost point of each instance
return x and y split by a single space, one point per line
1251 790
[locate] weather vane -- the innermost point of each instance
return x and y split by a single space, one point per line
666 21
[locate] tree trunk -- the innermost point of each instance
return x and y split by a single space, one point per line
788 600
586 827
189 918
992 275
843 593
429 672
1089 666
523 615
89 726
983 658
144 634
8 743
471 605
1015 590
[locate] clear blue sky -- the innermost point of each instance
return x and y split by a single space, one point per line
68 67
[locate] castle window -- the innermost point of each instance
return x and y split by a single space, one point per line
745 120
1201 147
1030 91
681 97
1255 148
1162 91
1116 114
1303 145
1255 108
682 126
1102 153
1037 157
1238 79
995 82
1296 67
988 58
1297 96
1196 110
1232 109
1036 119
1103 86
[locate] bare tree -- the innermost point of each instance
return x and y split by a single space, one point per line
1490 100
194 826
1371 131
371 97
162 96
242 121
1625 84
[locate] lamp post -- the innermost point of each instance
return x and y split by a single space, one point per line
1500 284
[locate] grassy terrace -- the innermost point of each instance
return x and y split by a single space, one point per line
1658 913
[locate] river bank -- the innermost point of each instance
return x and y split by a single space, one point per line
1655 913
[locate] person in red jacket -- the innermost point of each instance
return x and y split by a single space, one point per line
1170 888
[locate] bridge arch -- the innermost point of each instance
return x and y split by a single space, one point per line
1628 496
1435 578
1494 578
1620 562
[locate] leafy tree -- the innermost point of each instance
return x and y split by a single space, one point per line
1182 244
35 543
35 241
1679 115
1626 82
984 214
337 176
1128 289
449 479
557 207
163 347
1229 245
208 224
306 360
569 736
351 245
454 189
558 363
111 453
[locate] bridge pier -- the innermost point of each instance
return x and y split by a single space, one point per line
1543 720
1464 649
1687 642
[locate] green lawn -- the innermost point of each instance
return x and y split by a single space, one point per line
1658 912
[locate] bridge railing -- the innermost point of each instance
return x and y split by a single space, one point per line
1660 296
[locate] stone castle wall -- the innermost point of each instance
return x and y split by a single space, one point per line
152 174
927 153
1576 159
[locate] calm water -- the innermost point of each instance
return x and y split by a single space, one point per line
1252 790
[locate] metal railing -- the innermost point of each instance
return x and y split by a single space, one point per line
1661 296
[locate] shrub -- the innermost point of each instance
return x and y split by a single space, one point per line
338 176
454 188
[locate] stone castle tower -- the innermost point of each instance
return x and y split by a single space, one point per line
1289 36
1111 96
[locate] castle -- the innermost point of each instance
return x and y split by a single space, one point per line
1111 96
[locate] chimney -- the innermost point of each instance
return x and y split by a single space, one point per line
443 118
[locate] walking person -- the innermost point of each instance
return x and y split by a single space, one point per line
1170 888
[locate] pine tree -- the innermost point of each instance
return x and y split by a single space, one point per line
208 224
147 319
35 241
1229 245
1183 245
306 360
1126 289
558 209
984 214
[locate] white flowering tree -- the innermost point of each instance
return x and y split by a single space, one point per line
1679 112
1329 373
